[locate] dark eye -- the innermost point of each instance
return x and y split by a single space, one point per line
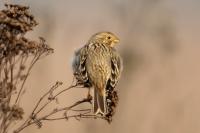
109 37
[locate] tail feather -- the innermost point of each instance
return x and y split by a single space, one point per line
95 103
99 104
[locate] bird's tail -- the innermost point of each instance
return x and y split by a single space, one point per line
99 103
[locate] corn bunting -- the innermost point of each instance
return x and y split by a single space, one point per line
97 64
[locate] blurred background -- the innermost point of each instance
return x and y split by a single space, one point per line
160 45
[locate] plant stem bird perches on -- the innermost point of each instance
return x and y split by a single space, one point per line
18 55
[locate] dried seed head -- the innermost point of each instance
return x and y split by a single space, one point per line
112 101
16 113
15 21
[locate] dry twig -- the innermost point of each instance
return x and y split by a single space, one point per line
35 117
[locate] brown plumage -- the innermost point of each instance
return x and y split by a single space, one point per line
98 65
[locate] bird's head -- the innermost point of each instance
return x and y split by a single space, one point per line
107 38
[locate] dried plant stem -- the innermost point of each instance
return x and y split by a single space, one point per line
34 119
34 60
18 55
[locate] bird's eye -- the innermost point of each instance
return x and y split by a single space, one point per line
109 37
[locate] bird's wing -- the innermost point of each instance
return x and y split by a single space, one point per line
79 66
76 61
116 68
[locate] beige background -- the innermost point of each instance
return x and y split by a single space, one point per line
160 85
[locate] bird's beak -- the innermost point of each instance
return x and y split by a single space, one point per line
116 40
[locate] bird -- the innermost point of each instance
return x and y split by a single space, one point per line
97 64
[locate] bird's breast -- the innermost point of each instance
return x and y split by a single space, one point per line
98 64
